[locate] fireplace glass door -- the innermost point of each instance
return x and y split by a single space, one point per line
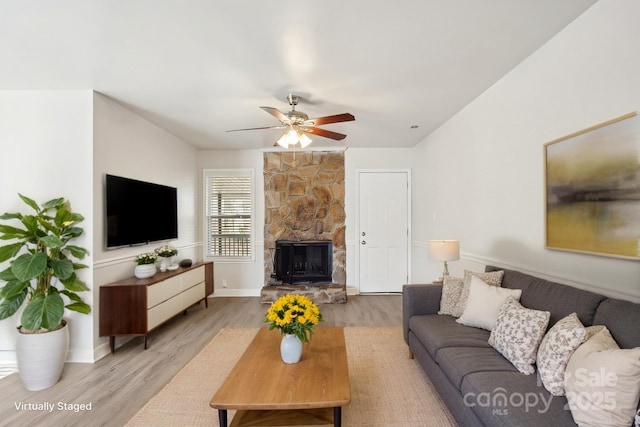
301 262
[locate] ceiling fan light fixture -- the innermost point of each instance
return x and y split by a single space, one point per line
304 140
289 137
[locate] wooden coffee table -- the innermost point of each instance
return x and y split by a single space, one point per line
266 391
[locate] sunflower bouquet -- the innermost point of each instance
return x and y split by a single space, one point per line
295 315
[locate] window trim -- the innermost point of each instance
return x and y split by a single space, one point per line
206 175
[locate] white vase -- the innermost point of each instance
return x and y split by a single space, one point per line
144 270
41 357
290 349
165 262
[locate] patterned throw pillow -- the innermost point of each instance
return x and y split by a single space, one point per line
493 278
451 289
517 334
556 349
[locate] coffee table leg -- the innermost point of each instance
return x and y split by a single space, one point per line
222 417
337 416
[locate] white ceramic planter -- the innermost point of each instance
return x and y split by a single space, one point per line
290 349
41 357
144 270
165 262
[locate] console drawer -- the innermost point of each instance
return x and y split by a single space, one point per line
163 291
193 295
164 311
192 277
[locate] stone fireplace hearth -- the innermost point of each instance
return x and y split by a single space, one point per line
304 200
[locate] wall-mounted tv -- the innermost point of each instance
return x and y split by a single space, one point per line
139 212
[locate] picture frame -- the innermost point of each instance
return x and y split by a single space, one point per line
592 190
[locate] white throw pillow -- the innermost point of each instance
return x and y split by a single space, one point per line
556 349
483 304
451 289
517 334
602 382
493 278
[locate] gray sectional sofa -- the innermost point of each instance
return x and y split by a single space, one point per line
480 386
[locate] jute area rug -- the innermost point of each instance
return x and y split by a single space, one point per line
387 388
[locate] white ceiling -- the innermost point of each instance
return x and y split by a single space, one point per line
200 67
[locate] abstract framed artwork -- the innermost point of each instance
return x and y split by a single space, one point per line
592 180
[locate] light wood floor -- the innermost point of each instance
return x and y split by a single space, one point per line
117 386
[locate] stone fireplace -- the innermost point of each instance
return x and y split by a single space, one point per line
304 201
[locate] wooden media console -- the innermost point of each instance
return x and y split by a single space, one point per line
137 306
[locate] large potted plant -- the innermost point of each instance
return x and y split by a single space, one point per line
41 275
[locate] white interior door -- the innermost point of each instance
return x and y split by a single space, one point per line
383 231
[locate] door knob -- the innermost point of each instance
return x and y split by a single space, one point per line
363 242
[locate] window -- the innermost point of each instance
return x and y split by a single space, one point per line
228 213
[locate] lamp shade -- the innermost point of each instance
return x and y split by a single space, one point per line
444 250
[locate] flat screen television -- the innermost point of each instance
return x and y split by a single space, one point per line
139 212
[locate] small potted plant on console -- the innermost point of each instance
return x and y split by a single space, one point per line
165 253
145 265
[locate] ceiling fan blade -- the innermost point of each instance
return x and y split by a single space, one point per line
325 133
337 118
266 127
276 113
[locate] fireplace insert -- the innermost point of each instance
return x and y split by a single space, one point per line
302 262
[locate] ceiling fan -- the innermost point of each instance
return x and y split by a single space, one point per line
297 124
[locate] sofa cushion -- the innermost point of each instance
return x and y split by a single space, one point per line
436 332
560 300
518 333
622 319
493 278
484 302
513 399
603 382
458 362
556 348
451 290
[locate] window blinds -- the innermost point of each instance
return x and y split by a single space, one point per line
228 214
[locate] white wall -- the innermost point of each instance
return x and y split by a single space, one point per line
46 143
242 278
127 145
483 169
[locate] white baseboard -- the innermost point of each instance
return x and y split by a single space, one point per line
7 368
101 351
235 293
9 358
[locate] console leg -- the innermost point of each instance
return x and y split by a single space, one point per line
145 342
112 344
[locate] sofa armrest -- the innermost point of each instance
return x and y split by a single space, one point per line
417 300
